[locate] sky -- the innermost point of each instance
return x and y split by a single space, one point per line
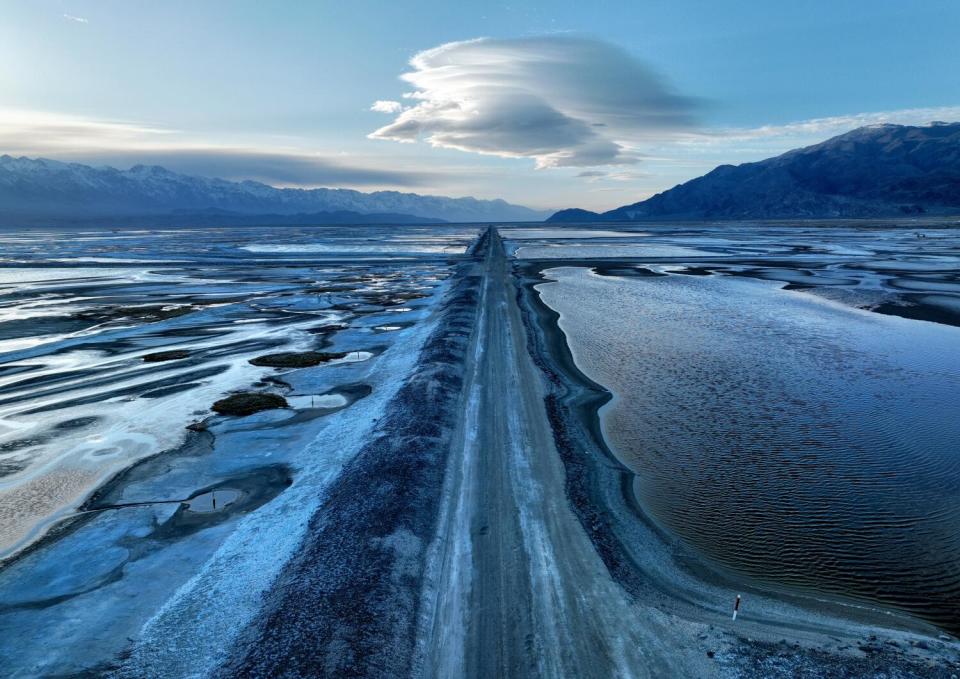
546 104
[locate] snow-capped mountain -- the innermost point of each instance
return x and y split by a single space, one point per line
49 188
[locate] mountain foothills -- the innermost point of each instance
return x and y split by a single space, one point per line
873 171
41 190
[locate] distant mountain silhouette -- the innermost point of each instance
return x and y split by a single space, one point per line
43 190
873 171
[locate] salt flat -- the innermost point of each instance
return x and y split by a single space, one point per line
493 463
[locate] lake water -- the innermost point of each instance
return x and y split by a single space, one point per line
783 434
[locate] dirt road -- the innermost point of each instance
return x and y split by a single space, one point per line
515 585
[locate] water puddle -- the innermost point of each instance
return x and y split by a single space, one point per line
212 501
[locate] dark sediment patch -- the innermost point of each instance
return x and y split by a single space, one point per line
193 331
39 326
571 403
913 308
20 368
248 403
146 314
293 359
694 271
347 604
171 355
34 383
169 391
327 328
8 467
234 348
76 423
626 271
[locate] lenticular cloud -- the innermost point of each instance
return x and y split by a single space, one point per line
563 101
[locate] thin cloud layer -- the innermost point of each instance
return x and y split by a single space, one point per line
276 168
36 132
560 100
822 128
122 143
702 149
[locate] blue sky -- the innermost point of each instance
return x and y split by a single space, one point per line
593 104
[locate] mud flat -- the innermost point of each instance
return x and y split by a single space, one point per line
164 556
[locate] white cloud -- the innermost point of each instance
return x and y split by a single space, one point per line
561 100
386 106
32 132
79 20
820 129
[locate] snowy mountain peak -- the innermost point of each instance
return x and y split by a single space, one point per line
49 188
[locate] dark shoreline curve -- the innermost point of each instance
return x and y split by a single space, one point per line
573 404
600 491
347 603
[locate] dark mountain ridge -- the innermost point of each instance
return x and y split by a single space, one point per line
873 171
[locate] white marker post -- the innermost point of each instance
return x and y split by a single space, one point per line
736 607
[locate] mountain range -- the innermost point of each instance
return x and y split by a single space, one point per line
48 191
874 171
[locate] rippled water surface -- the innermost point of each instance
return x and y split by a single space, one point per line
790 437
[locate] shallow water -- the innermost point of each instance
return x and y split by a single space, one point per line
785 436
72 338
110 508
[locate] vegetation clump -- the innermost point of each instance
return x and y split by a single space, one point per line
295 359
248 403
